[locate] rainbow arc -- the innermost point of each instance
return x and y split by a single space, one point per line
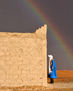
52 28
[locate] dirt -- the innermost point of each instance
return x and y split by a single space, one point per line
50 87
64 76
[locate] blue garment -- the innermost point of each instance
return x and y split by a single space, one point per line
53 67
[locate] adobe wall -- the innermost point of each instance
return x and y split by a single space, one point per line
23 58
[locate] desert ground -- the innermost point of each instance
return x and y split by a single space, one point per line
64 82
64 76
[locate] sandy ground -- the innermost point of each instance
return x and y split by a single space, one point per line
50 87
64 76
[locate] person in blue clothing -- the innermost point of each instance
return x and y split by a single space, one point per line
52 69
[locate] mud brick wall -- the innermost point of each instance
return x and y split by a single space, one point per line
23 58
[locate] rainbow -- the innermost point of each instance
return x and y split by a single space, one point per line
54 30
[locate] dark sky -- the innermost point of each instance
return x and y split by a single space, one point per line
16 16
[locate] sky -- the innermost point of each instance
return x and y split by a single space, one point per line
17 16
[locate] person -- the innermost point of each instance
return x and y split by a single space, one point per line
52 69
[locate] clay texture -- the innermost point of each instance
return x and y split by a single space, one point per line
23 58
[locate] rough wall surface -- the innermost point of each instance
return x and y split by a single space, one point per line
23 58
